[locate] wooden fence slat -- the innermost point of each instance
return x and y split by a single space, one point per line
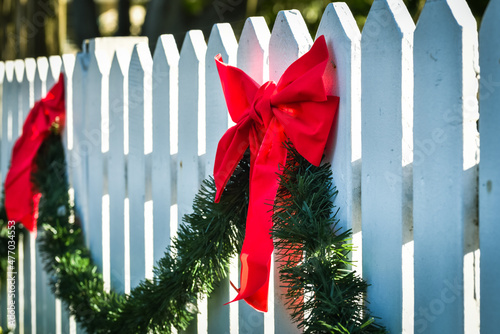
28 100
387 143
96 88
444 165
343 39
55 67
289 40
118 86
139 97
191 134
222 41
489 173
165 95
252 57
344 145
77 160
44 318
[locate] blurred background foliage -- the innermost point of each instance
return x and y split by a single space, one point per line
32 28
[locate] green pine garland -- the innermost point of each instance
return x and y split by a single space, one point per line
304 224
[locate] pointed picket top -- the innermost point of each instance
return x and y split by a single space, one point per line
166 48
289 40
194 44
489 173
141 67
253 49
223 41
55 68
387 17
446 144
105 47
68 61
9 70
42 69
30 69
142 56
19 69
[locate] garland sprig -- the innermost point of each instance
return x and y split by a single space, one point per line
312 250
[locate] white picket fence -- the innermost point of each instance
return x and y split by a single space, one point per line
142 132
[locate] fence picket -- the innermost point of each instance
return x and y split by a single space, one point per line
444 164
253 58
139 97
489 173
222 41
118 88
191 134
289 40
62 315
165 103
27 98
96 88
387 114
44 318
344 145
78 159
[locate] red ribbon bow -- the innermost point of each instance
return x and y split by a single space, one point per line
21 197
297 109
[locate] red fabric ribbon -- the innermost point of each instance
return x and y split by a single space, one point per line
297 109
21 197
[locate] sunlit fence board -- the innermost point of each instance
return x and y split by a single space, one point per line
444 164
139 112
387 116
222 41
289 40
253 58
489 171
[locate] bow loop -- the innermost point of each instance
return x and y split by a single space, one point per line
239 88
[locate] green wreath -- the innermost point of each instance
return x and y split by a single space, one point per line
304 227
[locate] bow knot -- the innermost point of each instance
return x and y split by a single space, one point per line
298 109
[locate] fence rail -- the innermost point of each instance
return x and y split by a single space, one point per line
142 131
